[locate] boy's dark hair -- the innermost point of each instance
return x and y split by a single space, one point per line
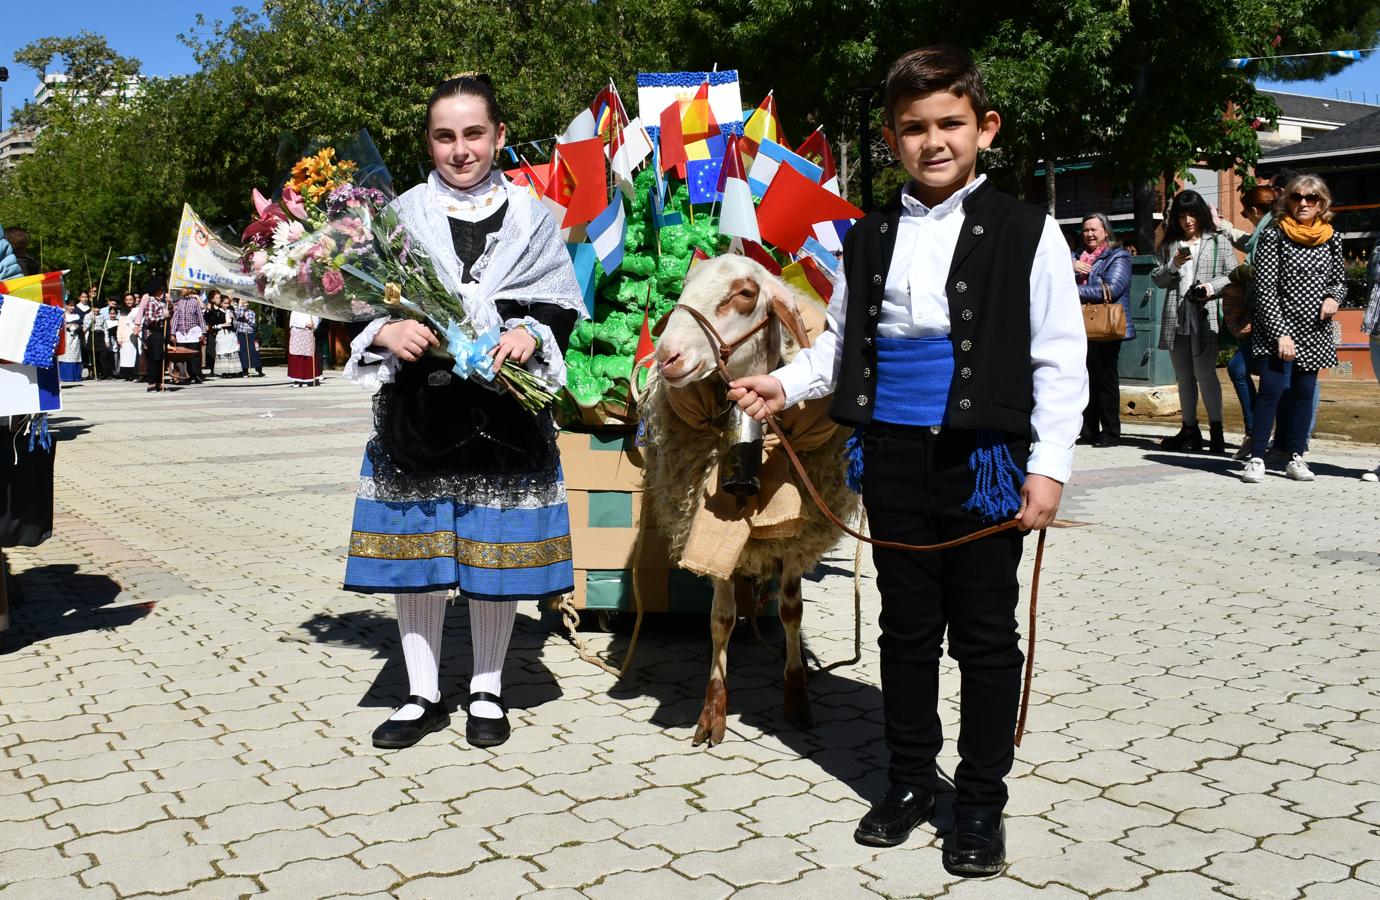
470 84
929 70
1283 177
1190 202
19 240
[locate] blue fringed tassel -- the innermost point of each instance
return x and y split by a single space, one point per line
996 479
643 436
38 432
853 454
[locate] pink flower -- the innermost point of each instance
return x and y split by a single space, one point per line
304 272
296 230
333 281
259 260
292 201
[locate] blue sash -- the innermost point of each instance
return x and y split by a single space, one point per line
913 376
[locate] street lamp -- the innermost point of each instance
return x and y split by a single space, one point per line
4 77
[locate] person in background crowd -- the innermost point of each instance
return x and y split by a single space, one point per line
1102 262
1300 280
153 316
19 242
187 329
246 330
1370 325
304 366
69 361
127 339
106 321
213 316
1257 205
227 346
87 317
1196 262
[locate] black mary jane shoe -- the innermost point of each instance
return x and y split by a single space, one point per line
395 734
977 846
481 732
894 817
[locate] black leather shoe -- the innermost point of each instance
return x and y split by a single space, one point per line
481 732
396 734
977 846
1106 440
894 817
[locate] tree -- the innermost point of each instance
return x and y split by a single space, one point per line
94 72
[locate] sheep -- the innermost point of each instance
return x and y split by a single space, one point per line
684 449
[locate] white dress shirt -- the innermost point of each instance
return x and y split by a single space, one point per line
915 304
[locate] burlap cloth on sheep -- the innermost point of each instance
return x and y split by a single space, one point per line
724 523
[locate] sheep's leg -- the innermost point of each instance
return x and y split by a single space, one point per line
710 728
796 706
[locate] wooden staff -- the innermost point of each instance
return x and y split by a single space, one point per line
100 288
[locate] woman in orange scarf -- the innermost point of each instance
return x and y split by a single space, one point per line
1300 280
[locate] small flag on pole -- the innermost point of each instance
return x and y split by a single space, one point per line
646 347
771 158
737 215
793 204
755 251
762 125
607 233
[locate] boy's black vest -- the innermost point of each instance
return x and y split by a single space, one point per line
988 288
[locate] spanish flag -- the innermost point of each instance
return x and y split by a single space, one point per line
762 125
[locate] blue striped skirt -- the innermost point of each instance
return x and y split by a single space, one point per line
490 548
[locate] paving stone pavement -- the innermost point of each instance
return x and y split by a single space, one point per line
186 696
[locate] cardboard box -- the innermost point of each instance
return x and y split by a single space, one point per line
603 479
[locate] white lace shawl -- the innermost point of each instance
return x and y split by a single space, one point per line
525 261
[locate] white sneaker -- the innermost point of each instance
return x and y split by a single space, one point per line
1372 476
1245 450
1298 470
1254 471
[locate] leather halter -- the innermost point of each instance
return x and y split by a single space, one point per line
725 348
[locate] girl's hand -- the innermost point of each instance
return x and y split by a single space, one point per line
407 340
517 344
1286 348
1081 267
1329 308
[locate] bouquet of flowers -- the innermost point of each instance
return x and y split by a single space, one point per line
333 248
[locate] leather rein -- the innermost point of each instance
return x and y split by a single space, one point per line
726 349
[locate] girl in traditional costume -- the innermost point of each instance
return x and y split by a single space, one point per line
69 363
461 488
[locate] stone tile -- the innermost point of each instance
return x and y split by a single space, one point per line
1261 875
1091 866
911 870
792 816
1172 847
538 833
319 878
48 888
173 869
1254 815
714 830
739 791
43 863
441 852
833 883
496 878
763 859
651 806
274 849
124 815
572 866
1097 818
658 883
494 807
1343 841
110 789
410 821
377 795
238 823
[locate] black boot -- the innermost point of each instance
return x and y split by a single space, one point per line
1217 444
1189 438
977 846
894 817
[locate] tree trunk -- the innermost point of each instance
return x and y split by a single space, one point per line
845 169
1049 184
865 149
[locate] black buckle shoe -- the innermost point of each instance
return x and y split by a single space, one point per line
395 734
481 732
977 846
894 817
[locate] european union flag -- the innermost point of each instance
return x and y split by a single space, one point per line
703 179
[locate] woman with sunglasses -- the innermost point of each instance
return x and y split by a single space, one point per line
1300 278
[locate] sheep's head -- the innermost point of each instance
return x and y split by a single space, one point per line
736 294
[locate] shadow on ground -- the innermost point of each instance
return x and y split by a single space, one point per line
52 601
527 682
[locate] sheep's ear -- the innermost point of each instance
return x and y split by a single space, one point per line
784 308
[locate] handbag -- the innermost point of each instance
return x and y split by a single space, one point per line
1105 321
1236 308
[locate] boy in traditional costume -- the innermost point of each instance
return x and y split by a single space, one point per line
956 348
461 488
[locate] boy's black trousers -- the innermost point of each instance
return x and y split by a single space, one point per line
915 482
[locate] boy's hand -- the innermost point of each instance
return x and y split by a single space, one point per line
1040 497
758 395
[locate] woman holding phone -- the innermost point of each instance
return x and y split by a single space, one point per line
1196 262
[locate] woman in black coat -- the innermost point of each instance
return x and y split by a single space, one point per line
1103 263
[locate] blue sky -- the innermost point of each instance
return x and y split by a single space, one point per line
148 29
